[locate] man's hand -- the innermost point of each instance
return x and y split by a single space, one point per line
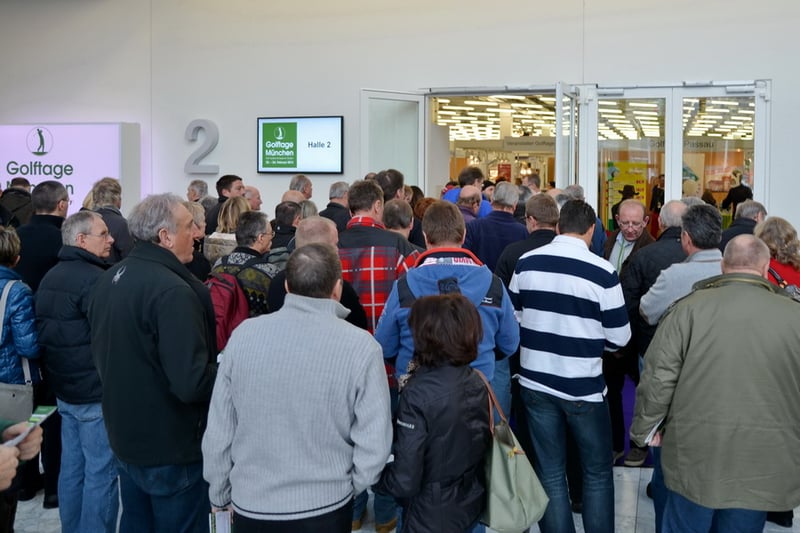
31 445
655 442
9 459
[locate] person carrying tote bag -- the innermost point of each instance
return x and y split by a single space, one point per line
18 343
442 422
18 337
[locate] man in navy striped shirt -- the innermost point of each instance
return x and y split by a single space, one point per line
570 307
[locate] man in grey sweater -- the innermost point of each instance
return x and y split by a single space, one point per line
299 418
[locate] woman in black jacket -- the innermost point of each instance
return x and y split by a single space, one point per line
442 422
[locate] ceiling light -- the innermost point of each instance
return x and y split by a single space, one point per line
457 107
480 102
641 104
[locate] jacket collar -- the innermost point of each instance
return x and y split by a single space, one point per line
315 306
47 220
735 279
75 253
364 221
671 233
152 252
435 253
705 256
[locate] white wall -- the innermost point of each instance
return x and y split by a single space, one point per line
164 63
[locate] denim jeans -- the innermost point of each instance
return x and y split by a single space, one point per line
163 499
549 419
684 516
658 489
477 527
385 507
88 493
501 383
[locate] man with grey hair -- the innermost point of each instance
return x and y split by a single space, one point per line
318 230
197 190
337 209
302 183
297 468
249 263
87 485
253 197
639 274
107 200
487 237
153 341
748 214
703 385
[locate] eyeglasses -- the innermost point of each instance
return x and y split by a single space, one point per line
103 235
269 233
630 224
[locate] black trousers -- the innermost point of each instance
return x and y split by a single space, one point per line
614 371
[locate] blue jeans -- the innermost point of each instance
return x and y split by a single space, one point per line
88 493
589 422
501 383
385 507
658 488
163 499
684 516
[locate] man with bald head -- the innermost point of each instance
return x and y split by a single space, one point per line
469 201
631 236
318 230
622 246
720 381
253 197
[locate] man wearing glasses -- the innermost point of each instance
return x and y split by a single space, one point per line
632 235
249 261
88 482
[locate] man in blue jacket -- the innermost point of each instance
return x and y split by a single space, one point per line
447 267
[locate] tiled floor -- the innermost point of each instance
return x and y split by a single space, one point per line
634 510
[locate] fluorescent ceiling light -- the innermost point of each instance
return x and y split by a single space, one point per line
642 104
481 102
457 107
528 106
724 102
508 97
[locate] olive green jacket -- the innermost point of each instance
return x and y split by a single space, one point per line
723 370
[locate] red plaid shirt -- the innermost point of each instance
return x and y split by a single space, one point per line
372 259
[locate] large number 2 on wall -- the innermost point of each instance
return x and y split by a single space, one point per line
192 165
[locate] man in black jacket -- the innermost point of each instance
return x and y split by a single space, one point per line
337 209
228 186
153 336
748 214
88 481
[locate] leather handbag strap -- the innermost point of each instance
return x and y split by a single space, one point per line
492 401
778 278
26 368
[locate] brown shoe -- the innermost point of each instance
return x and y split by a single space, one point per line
358 522
387 527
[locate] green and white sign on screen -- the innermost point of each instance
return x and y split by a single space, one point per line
300 144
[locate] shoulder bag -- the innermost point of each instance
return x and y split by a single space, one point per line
16 401
515 498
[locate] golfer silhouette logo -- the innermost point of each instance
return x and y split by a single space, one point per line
279 133
39 141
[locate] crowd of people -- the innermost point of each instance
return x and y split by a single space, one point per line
356 365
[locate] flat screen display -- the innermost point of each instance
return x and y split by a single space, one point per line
301 144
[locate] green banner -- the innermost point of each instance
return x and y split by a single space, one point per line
279 149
